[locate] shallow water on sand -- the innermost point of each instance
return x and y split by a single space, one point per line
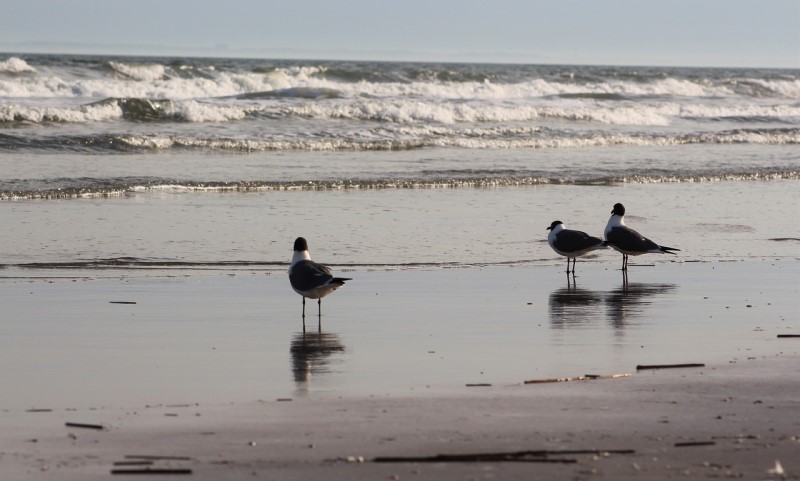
224 338
406 227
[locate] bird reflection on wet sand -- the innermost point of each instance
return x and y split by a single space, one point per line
571 306
574 307
314 354
631 299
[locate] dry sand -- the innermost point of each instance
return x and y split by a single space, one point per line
746 412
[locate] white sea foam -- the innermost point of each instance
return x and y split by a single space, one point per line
160 87
412 111
157 81
144 72
496 138
193 111
15 65
86 113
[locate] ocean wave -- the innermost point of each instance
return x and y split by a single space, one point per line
179 80
328 104
88 188
407 138
296 92
15 65
143 72
98 112
129 109
166 86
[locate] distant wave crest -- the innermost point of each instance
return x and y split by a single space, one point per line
15 65
379 139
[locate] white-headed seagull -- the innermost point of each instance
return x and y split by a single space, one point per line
627 241
310 279
571 243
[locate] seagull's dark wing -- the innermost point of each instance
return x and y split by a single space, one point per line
574 241
628 239
307 275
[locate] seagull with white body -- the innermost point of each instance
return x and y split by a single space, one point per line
310 279
627 241
571 243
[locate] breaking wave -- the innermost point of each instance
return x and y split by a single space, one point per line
382 139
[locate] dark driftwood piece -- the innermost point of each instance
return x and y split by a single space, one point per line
783 336
158 458
540 456
587 377
687 444
642 367
152 471
84 426
554 379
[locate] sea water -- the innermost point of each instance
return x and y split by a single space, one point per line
206 161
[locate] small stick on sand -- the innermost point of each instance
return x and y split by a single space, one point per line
158 458
642 367
479 385
555 379
85 426
591 377
121 302
587 377
152 471
780 336
694 443
539 456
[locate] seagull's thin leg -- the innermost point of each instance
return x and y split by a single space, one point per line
304 315
574 259
567 265
319 314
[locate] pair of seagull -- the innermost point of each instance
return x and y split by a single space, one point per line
573 243
315 281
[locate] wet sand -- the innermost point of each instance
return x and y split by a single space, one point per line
214 369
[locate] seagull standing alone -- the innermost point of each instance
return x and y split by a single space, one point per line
627 241
571 243
310 279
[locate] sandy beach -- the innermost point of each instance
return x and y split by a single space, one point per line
410 363
721 421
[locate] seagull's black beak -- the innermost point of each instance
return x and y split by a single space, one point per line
549 228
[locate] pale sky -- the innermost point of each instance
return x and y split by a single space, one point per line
713 33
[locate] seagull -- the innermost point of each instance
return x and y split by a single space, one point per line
571 243
627 241
310 279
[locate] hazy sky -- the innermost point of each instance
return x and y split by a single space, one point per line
757 33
